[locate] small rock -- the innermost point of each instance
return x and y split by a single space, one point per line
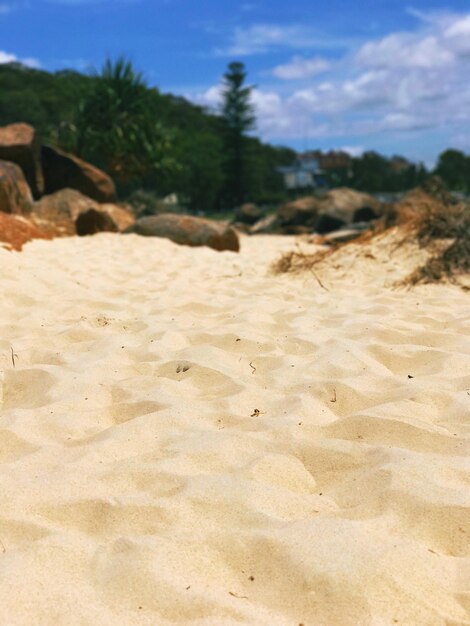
188 230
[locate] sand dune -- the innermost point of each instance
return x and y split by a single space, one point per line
186 439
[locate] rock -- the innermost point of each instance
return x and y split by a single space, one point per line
349 205
63 170
343 235
16 230
248 214
268 225
15 195
364 214
94 221
188 230
56 213
121 215
327 223
19 144
240 227
68 212
303 212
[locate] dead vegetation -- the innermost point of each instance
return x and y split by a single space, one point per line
427 217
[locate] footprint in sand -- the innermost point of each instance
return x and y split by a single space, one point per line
183 367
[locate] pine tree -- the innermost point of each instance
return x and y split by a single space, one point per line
238 114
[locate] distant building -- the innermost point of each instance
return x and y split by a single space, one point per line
304 173
334 160
317 169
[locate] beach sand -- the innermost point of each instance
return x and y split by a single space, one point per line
187 439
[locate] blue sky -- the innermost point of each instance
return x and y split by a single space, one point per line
388 75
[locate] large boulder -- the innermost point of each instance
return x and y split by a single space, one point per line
188 230
15 195
300 212
68 212
19 144
16 230
349 205
63 170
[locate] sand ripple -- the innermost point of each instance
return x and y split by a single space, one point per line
188 440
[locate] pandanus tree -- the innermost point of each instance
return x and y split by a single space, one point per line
117 126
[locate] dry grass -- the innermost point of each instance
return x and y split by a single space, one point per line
427 216
447 224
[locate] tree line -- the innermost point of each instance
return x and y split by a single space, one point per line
159 142
149 140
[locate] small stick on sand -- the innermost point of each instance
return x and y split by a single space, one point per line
13 357
235 596
310 268
334 395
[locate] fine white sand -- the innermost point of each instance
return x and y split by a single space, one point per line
186 439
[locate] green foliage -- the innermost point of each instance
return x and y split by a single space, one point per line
237 110
46 101
116 127
143 138
201 176
453 167
373 172
238 115
145 203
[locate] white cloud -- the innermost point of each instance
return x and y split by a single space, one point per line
458 28
404 50
262 38
405 82
354 151
299 68
7 57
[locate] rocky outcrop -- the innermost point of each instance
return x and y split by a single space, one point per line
188 230
345 206
56 213
15 195
248 213
301 212
337 208
16 230
68 212
63 170
292 218
19 144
